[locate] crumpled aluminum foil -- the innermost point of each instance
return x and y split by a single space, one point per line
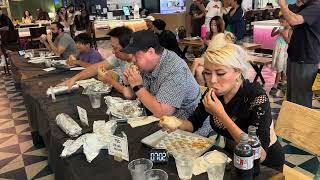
92 142
121 108
96 88
68 125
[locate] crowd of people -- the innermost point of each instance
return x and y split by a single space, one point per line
149 66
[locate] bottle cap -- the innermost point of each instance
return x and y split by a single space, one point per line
244 137
252 129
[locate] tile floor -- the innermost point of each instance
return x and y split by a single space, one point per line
20 160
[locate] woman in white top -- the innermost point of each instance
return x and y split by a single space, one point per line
62 17
214 8
27 18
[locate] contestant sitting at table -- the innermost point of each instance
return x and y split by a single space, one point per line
87 55
167 38
27 17
59 42
160 78
233 103
120 37
216 27
149 20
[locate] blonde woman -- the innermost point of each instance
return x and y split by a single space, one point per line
233 103
198 63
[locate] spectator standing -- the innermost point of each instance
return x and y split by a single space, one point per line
303 50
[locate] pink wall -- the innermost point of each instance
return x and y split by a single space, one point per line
262 35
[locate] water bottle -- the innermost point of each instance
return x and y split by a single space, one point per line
177 34
256 148
243 158
203 31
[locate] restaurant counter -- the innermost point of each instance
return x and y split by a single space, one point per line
262 33
102 27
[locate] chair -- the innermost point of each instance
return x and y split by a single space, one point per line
9 41
35 33
299 125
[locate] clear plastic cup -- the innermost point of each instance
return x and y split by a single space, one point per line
156 174
42 54
215 166
95 100
184 166
138 167
48 62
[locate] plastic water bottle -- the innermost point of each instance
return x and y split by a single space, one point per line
203 31
177 33
243 158
256 148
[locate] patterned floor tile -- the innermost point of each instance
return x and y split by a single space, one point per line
311 165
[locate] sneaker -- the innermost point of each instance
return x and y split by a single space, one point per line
273 91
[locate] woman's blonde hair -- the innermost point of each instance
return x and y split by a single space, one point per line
222 50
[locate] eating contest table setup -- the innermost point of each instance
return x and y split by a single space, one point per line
79 138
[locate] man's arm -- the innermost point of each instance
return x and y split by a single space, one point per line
292 18
151 103
83 64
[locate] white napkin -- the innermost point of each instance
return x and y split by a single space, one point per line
77 69
199 164
49 69
141 121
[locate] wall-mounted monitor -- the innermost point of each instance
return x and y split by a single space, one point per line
126 10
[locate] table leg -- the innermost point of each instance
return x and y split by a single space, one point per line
258 69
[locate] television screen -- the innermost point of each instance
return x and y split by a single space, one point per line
126 10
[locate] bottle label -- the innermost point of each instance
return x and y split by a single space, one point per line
256 153
243 163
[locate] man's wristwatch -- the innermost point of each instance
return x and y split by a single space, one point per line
137 88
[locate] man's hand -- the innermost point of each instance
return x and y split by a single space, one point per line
49 37
134 76
72 60
70 82
43 38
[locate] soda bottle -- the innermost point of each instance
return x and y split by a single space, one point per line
256 148
203 31
243 158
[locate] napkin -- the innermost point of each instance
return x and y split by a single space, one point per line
77 69
49 69
141 121
199 164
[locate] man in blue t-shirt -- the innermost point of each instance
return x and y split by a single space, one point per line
303 50
87 55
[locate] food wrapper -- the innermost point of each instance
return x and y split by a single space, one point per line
91 147
104 130
71 146
92 142
68 125
199 164
97 88
123 108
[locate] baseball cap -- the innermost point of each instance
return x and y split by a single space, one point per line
150 18
142 40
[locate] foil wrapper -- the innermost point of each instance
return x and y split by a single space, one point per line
97 88
68 125
58 90
92 143
121 108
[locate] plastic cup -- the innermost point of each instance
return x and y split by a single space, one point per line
156 174
184 166
48 62
42 54
138 167
215 166
95 100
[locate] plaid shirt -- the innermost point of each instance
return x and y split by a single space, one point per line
172 83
